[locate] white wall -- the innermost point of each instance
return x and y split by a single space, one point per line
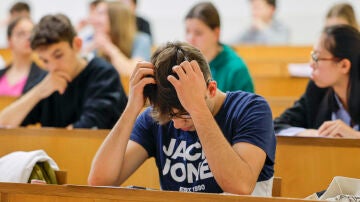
304 17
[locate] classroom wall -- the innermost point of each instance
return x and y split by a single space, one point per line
305 17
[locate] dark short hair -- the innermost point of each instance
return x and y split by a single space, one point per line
271 2
19 7
96 2
52 29
13 24
343 41
207 13
163 97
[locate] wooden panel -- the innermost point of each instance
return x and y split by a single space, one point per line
279 104
73 151
36 193
280 86
6 101
6 55
274 53
307 165
268 69
61 177
276 192
125 83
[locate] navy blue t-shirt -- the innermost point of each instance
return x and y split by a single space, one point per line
181 162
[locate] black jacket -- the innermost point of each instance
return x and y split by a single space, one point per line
94 99
313 108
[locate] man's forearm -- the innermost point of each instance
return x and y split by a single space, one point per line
231 172
108 160
15 113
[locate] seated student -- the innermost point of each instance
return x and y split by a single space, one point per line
84 28
203 32
265 28
203 140
341 13
141 23
330 106
22 74
18 9
116 37
75 93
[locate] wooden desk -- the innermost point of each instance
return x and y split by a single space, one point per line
268 66
279 104
307 165
6 55
72 150
35 193
274 53
6 101
280 86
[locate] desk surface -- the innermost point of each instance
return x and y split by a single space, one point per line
12 192
306 165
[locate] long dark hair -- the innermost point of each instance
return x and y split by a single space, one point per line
343 41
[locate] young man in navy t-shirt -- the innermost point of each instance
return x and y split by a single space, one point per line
203 140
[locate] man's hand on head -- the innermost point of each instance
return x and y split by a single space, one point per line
143 75
191 86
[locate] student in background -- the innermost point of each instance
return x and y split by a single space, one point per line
341 13
117 39
265 28
22 74
203 140
141 23
330 105
76 93
203 31
19 9
85 28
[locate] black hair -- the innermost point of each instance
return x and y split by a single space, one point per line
343 41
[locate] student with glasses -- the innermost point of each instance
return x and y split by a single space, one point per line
330 105
22 74
203 140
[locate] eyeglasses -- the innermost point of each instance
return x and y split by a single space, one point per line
316 58
22 34
181 115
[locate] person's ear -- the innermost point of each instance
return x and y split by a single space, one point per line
345 66
212 88
10 45
217 33
77 43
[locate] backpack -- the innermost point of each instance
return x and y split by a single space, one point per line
43 171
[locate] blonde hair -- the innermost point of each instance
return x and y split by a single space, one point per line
345 11
122 26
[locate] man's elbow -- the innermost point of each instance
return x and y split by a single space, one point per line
94 181
240 188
